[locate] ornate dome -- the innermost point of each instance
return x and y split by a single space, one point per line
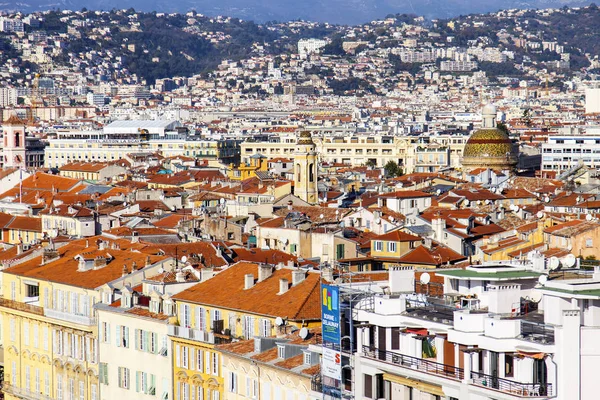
305 138
488 143
489 147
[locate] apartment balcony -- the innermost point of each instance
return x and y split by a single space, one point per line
19 306
513 388
21 393
192 334
69 317
427 366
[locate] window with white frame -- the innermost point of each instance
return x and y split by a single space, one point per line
232 382
392 247
281 351
378 245
123 377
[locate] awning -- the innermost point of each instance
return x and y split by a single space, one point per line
417 331
421 386
536 356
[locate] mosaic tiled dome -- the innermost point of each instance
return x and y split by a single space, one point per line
488 143
305 138
489 147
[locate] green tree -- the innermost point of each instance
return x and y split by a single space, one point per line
392 169
370 164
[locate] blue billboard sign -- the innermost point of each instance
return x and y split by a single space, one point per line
330 314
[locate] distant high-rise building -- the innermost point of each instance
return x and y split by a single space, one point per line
592 100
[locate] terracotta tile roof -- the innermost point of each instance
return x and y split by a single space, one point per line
572 228
68 266
169 222
84 166
226 290
24 223
406 194
143 312
398 236
192 251
314 213
437 255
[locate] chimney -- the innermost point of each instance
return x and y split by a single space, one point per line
19 249
148 262
125 271
207 273
264 271
180 276
248 281
327 274
87 244
134 266
290 205
298 276
283 286
290 263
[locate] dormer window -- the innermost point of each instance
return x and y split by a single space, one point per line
281 351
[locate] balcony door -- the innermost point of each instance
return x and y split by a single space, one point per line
381 342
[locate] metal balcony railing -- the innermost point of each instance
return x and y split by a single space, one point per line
21 392
508 386
316 383
427 366
455 373
17 305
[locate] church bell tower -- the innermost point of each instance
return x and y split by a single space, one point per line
305 169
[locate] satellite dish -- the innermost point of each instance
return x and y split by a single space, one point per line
479 202
321 216
554 263
279 321
570 260
589 217
540 215
222 201
438 192
303 333
425 278
161 270
547 199
543 279
184 259
512 207
377 221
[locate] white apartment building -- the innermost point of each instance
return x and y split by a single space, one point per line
499 332
8 97
308 46
564 152
120 138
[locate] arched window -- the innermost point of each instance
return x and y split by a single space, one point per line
311 172
298 171
17 139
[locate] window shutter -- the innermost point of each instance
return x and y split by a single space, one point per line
192 365
126 337
207 362
177 356
118 336
137 381
137 339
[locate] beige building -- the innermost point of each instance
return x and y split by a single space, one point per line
268 368
410 152
49 320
